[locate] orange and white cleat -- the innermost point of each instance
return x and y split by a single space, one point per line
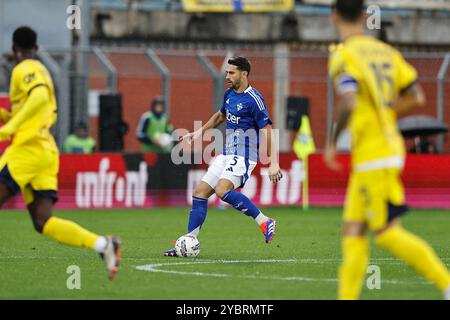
111 256
268 229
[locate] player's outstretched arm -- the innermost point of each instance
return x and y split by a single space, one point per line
275 174
37 98
213 122
410 99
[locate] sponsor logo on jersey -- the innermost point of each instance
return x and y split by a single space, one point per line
232 118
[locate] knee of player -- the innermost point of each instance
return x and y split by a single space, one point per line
198 193
387 236
382 239
354 229
39 223
221 191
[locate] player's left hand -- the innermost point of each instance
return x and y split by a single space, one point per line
330 158
5 134
275 173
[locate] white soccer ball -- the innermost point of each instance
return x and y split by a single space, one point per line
187 246
164 140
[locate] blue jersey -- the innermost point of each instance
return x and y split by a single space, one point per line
246 114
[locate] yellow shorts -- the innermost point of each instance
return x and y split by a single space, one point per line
374 197
32 170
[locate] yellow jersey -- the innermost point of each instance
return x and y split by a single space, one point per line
377 73
26 76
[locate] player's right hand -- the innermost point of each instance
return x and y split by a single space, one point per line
330 158
275 173
190 137
187 137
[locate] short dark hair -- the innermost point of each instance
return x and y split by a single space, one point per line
349 10
241 63
157 100
81 125
25 38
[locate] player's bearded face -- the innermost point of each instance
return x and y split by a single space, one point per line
234 77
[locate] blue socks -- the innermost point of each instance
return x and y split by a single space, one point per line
241 203
197 215
236 199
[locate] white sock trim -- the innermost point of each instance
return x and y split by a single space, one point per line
447 293
100 244
195 232
261 218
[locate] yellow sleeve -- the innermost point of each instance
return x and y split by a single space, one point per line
344 73
27 77
37 99
335 63
406 73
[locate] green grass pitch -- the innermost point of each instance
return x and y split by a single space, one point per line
234 263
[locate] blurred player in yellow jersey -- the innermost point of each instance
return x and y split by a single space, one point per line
375 85
30 164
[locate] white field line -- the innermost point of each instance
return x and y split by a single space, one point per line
393 261
157 268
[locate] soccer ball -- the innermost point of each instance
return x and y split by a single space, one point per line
164 139
187 246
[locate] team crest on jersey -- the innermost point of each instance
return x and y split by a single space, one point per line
29 78
239 106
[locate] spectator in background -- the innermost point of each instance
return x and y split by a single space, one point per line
80 141
423 144
154 130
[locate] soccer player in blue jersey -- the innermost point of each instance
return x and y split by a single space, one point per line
247 119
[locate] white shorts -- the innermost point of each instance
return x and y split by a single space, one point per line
230 167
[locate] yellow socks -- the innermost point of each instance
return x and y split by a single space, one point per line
70 233
401 243
417 253
355 255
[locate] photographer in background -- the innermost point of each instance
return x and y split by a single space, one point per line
80 141
154 130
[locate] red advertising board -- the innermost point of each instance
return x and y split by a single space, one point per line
151 180
426 179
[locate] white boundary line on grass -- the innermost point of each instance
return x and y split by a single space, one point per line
305 260
156 267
